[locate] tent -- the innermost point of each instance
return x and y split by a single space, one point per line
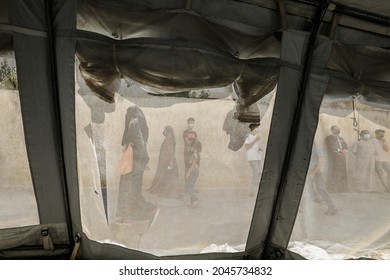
72 72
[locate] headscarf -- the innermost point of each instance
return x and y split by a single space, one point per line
168 131
132 113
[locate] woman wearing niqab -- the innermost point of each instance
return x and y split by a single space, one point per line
166 180
132 205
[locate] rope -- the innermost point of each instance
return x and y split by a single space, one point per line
355 121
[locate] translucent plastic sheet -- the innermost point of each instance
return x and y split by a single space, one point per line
343 211
154 208
175 50
18 206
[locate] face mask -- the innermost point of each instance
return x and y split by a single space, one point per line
191 125
366 136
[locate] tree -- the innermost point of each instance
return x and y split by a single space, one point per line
8 77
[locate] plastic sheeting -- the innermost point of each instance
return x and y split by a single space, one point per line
188 220
362 72
146 50
347 185
222 33
18 202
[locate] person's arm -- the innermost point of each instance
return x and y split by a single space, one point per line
137 140
192 167
250 145
171 153
344 146
317 168
385 147
354 148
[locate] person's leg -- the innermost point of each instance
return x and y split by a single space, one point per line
311 189
123 198
187 156
319 181
380 171
331 184
255 181
386 167
140 209
341 175
190 185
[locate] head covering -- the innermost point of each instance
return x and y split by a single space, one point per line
168 131
132 113
364 132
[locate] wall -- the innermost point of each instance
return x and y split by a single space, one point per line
14 169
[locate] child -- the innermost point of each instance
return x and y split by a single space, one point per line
193 174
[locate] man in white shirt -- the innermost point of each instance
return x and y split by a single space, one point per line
254 156
382 166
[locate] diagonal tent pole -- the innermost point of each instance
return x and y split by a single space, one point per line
269 251
55 92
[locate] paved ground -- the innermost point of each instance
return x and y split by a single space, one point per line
361 226
223 216
17 207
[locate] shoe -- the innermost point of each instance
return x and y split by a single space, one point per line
124 221
195 203
331 212
153 219
318 200
187 200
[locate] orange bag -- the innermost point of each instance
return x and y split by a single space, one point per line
126 161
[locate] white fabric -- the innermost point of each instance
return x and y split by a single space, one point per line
215 248
364 151
379 151
309 251
254 153
338 140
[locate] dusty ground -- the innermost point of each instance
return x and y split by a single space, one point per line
360 228
17 207
222 216
361 225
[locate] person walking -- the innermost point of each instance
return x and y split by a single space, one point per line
166 180
132 206
254 156
382 166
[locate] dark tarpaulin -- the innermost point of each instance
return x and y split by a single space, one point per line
174 51
3 11
6 42
35 91
361 74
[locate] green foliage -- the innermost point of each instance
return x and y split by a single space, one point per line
8 77
203 94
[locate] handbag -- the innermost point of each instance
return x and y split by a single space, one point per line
126 161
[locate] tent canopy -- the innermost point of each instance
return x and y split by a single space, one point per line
76 60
